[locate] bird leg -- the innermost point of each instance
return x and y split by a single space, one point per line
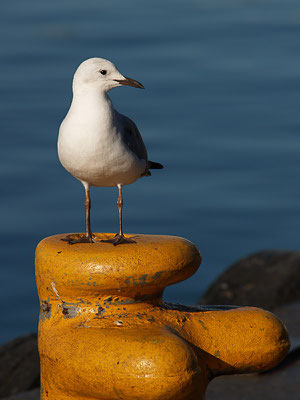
87 205
88 237
120 208
119 238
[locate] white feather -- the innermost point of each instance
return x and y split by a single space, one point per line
91 142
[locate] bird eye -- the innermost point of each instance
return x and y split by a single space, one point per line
103 71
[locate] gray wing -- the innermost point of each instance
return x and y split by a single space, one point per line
133 139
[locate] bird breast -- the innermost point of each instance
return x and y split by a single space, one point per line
92 150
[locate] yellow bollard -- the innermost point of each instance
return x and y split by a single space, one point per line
105 333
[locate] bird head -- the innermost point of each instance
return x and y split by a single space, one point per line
101 74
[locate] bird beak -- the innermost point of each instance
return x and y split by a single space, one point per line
130 82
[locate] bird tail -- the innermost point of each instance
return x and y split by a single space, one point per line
154 165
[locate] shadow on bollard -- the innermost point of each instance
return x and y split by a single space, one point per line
105 333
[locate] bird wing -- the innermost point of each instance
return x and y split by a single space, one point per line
133 138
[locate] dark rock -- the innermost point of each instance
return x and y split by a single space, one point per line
19 365
266 279
290 315
30 395
280 385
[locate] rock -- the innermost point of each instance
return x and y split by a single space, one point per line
30 395
266 279
290 316
282 385
19 365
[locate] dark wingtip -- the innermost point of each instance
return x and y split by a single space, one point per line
155 165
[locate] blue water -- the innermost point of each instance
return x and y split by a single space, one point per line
220 111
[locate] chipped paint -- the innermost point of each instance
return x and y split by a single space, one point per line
55 290
107 300
203 324
136 280
45 310
100 311
157 275
69 310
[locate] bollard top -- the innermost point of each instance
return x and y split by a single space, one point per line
141 269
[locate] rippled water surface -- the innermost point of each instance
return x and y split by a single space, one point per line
220 111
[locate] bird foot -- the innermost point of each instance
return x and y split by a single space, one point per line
73 239
118 239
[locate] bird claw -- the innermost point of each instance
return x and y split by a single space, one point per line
74 239
81 238
118 239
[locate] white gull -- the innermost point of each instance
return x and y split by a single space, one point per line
98 145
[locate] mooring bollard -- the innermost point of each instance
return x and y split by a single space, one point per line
105 333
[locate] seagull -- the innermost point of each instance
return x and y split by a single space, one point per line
98 145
